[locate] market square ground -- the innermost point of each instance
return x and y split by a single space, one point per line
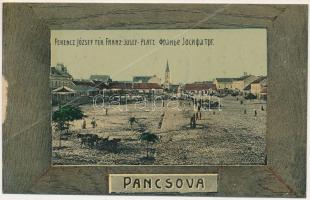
226 137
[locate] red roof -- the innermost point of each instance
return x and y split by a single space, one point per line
146 86
134 86
120 85
199 86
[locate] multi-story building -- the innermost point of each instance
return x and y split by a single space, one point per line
129 87
259 88
59 76
223 83
199 87
242 82
85 88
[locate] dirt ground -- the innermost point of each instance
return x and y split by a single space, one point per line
227 137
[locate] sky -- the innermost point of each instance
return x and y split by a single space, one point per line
232 52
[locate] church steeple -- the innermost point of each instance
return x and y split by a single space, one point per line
167 76
167 67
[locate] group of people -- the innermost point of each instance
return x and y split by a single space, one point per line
197 114
93 123
255 111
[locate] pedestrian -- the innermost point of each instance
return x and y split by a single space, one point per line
194 121
255 112
237 98
93 122
196 115
84 124
200 115
244 111
262 108
191 123
213 112
106 111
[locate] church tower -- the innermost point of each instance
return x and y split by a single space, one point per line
167 76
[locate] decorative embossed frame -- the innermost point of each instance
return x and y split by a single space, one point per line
26 63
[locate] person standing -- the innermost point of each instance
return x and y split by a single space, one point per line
194 121
93 122
84 124
191 122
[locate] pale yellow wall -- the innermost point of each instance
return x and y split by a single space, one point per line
256 88
220 85
239 85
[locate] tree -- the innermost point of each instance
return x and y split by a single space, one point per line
250 96
148 138
63 116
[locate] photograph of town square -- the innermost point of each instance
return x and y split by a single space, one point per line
173 106
150 121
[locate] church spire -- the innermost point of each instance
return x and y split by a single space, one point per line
167 76
167 67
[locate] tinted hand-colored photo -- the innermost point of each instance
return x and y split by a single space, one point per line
159 97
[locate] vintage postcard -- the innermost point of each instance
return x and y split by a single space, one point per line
155 99
159 97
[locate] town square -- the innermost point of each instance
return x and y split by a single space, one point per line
160 103
229 124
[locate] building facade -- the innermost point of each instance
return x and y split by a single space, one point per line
223 83
202 87
59 77
259 88
85 88
241 83
127 87
62 95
